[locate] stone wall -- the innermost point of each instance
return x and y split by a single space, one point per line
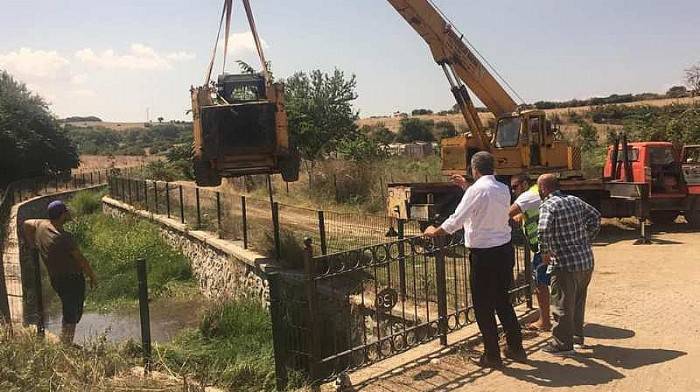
223 269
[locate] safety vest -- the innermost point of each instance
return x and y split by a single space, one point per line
532 217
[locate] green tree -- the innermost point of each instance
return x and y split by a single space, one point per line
379 133
320 112
692 78
32 142
415 129
445 129
677 92
361 148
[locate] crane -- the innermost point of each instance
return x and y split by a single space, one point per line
523 139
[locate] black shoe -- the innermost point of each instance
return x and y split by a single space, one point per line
485 362
555 349
518 355
578 342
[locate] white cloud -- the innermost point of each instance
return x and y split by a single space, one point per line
84 92
180 56
242 42
27 63
139 57
78 79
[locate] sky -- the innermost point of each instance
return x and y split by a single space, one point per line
120 60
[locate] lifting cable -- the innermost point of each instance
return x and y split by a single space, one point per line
226 15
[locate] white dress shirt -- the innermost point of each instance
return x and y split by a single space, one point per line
483 212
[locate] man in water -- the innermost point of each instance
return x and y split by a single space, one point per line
64 263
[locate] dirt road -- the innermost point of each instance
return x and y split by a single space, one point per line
643 330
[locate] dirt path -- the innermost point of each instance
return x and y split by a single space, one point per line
642 330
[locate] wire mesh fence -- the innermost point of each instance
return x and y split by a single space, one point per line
271 228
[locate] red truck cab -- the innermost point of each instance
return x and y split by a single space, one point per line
654 163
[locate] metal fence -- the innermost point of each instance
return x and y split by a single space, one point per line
272 228
25 189
350 309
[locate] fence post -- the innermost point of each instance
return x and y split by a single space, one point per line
145 194
278 329
56 183
312 301
128 183
182 207
244 218
99 177
40 327
92 182
167 198
144 313
441 283
528 272
322 232
199 215
218 212
46 185
155 196
82 178
402 259
276 228
75 182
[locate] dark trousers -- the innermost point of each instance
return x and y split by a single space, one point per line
491 276
569 291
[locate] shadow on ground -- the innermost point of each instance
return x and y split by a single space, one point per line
595 365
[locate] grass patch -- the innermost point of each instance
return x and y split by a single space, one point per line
232 348
112 245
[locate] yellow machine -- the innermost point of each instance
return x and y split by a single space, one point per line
240 122
522 141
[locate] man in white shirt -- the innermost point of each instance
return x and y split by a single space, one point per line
483 213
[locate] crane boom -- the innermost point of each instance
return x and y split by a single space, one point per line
448 48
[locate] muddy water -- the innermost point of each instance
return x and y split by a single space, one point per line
168 317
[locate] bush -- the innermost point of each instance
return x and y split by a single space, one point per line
232 347
85 203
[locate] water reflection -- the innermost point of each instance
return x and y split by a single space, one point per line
168 317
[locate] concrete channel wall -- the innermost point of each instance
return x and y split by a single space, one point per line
223 268
15 255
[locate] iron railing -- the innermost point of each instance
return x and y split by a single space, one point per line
351 309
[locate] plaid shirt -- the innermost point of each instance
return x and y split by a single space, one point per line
567 225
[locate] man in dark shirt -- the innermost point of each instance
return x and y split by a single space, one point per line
64 262
567 226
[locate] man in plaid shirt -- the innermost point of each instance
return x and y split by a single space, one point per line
567 226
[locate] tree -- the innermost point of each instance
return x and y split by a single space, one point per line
692 78
415 129
419 112
445 129
361 148
379 133
160 119
677 92
320 112
32 142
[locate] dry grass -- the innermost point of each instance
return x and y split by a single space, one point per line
92 162
117 126
393 123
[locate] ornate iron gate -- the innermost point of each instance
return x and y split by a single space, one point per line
353 308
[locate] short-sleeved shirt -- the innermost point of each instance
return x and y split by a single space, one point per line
55 247
529 203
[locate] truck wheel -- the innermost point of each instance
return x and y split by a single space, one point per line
204 174
663 217
693 218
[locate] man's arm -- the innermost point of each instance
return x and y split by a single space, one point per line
85 265
456 220
591 220
514 210
545 232
29 231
